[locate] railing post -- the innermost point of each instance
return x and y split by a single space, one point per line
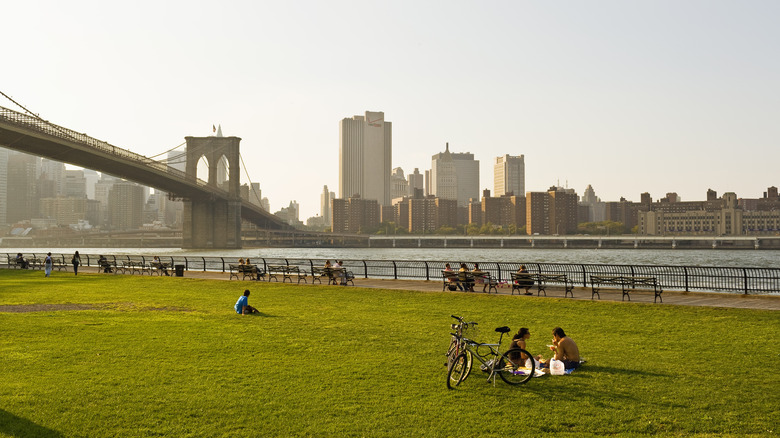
395 271
685 271
427 277
365 269
204 263
744 276
584 277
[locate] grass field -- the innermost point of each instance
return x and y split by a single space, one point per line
108 356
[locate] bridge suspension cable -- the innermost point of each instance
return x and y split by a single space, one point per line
251 190
22 107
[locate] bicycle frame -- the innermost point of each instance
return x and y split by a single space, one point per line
510 366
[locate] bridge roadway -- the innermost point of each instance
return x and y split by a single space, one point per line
670 298
34 136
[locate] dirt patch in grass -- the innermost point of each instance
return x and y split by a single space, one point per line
127 307
26 308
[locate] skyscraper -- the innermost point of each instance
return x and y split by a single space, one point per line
509 175
326 201
455 176
365 155
21 196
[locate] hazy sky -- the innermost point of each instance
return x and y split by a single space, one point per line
628 96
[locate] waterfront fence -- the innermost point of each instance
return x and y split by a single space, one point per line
742 280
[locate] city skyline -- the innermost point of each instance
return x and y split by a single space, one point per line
626 97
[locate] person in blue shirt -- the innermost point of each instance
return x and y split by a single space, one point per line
242 305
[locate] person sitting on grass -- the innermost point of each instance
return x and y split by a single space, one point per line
242 305
518 341
565 350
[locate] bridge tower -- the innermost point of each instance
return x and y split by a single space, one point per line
213 223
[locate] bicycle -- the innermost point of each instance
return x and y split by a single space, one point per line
510 366
456 341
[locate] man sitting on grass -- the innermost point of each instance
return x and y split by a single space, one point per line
565 350
242 305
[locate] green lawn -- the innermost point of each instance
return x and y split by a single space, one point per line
150 356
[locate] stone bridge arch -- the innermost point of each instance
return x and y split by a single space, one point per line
209 223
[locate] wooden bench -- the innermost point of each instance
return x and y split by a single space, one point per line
160 268
488 281
59 263
107 266
317 273
627 283
339 276
540 280
139 267
465 279
251 271
15 264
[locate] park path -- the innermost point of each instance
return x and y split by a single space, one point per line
707 299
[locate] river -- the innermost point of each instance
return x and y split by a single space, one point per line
674 257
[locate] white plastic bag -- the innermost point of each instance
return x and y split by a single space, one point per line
556 367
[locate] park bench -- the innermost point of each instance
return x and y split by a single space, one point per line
488 281
140 267
14 264
317 273
252 271
107 266
339 276
59 263
465 279
160 268
627 283
541 280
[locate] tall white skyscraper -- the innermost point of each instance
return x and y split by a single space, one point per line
455 176
365 155
509 175
326 203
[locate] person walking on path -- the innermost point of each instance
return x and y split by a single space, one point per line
76 261
47 264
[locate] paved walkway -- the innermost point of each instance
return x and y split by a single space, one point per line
709 299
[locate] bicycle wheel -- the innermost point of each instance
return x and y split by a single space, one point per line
458 371
513 370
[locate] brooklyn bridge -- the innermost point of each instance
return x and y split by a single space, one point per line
212 215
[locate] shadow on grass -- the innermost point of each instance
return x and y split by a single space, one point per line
15 426
588 368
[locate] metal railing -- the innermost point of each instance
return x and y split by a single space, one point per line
744 280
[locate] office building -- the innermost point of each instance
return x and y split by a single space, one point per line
126 202
399 186
595 209
416 180
509 175
75 184
365 155
65 211
22 193
454 176
326 202
355 215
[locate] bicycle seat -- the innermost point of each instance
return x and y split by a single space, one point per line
503 329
